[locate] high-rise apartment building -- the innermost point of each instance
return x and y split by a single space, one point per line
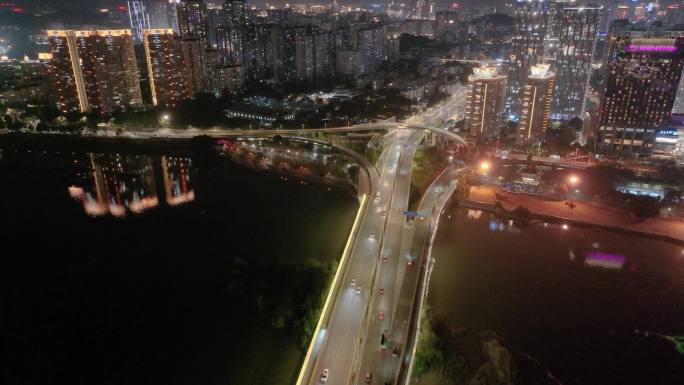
192 20
94 70
193 52
446 22
484 102
578 29
165 67
370 45
644 72
527 48
536 105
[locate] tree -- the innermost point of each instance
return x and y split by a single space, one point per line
428 351
522 213
643 206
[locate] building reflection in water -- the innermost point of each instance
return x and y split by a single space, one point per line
177 180
117 184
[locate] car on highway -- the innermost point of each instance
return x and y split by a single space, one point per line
383 212
385 258
353 282
421 218
324 376
398 210
382 290
409 263
384 195
358 290
372 235
369 378
381 316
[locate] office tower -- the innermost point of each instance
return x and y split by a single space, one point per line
553 28
577 42
484 102
536 105
95 70
165 67
644 72
192 20
139 18
527 48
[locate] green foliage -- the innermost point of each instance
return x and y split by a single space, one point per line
463 188
642 206
522 213
428 352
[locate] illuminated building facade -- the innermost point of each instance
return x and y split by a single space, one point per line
192 20
536 105
643 74
94 70
165 67
578 30
527 47
484 102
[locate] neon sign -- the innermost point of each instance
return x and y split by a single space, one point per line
650 48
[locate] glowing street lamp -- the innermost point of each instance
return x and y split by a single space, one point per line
484 166
165 119
573 180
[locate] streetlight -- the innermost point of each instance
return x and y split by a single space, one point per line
573 180
165 120
484 166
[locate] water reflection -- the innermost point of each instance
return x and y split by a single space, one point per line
177 180
605 260
593 255
118 184
573 298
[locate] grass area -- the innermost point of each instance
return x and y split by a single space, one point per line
428 162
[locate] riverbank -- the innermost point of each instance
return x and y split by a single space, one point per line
582 214
225 288
516 304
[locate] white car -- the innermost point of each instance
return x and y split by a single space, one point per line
324 376
353 282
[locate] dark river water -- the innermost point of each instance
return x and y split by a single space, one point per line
590 307
160 268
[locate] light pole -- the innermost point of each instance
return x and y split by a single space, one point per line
165 119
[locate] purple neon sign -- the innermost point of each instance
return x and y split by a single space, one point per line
606 260
650 48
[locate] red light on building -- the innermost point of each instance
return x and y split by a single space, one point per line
17 10
123 8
